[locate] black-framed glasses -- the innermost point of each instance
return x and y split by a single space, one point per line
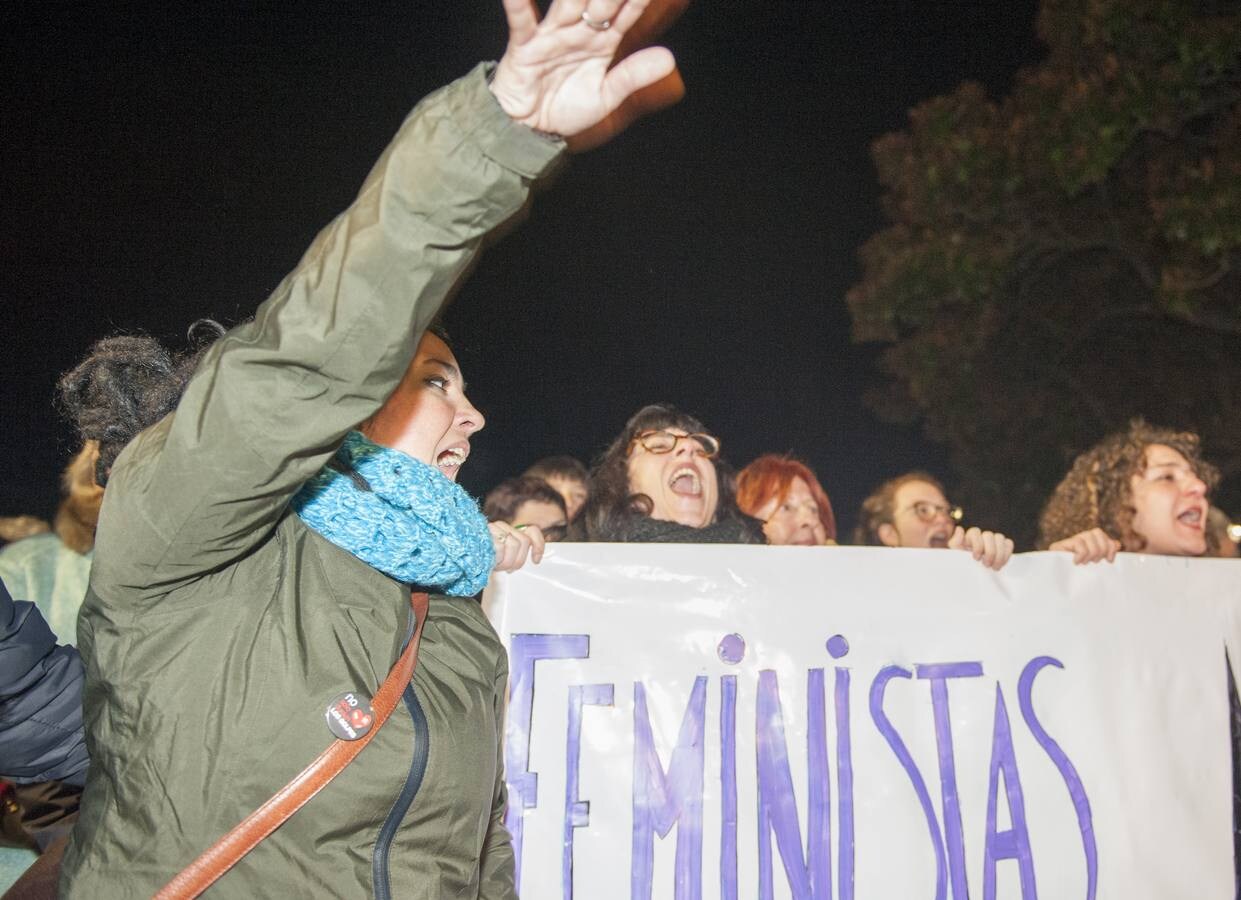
666 441
927 511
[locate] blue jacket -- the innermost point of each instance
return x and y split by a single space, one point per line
41 735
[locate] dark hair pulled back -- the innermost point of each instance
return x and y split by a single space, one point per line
126 384
613 507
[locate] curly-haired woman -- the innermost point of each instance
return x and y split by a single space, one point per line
1142 490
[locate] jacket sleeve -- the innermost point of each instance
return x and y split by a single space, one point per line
272 400
497 875
41 736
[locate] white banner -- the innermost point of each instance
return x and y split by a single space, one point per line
783 722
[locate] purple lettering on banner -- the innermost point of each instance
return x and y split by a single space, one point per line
809 877
878 688
577 811
728 787
661 800
1014 843
844 778
1077 790
523 785
938 674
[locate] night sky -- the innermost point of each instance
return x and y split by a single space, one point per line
168 163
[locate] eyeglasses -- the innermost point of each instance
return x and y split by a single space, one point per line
926 511
666 442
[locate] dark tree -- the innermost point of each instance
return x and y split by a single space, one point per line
1069 257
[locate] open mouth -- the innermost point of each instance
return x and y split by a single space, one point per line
1191 518
938 540
686 482
449 462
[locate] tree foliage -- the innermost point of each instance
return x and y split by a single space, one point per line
1070 256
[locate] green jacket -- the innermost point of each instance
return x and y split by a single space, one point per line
218 628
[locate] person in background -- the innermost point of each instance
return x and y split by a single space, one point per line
912 510
43 758
1223 535
662 481
51 570
526 501
566 475
1142 490
784 494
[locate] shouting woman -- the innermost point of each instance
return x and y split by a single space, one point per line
257 547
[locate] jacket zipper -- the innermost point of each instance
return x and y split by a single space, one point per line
413 781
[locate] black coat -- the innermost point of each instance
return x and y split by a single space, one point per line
40 700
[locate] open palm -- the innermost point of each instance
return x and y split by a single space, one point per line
555 74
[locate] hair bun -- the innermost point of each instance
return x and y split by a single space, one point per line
124 385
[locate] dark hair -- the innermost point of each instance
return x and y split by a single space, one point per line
612 506
127 383
880 507
437 328
506 498
558 466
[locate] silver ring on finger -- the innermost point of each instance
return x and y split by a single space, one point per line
596 24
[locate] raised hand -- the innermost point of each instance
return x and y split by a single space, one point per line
555 76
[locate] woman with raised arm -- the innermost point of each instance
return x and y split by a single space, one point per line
257 546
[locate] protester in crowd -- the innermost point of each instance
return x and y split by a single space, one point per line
1142 490
528 501
566 475
912 510
42 747
662 480
784 494
257 547
51 570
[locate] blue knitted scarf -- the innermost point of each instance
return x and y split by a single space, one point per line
413 523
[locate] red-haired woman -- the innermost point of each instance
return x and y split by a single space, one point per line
784 494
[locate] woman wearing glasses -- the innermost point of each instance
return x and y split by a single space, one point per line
259 545
912 511
662 481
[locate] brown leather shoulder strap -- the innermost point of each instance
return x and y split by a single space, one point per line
224 853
